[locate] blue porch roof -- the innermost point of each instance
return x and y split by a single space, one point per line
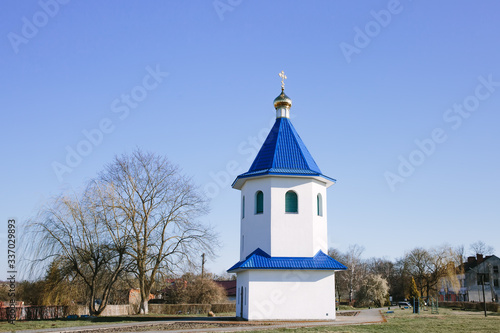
259 259
283 153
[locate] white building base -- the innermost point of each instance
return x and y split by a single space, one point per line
285 295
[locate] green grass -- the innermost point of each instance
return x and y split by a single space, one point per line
60 323
41 324
403 321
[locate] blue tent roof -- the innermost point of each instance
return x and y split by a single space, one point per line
283 153
259 259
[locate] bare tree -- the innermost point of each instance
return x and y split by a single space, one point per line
481 247
356 268
460 255
341 286
158 207
440 267
84 240
416 263
402 280
350 281
388 271
430 267
381 266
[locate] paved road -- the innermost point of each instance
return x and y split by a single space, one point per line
364 317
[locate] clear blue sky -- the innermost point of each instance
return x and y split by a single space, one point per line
367 79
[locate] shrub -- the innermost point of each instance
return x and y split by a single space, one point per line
204 291
175 293
494 307
194 290
179 308
373 292
191 308
223 307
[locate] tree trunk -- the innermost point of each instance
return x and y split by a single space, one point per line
92 302
143 309
144 292
91 307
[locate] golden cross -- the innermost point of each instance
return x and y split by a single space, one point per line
283 78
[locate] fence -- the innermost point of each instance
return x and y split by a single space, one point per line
35 312
494 307
55 312
191 308
110 310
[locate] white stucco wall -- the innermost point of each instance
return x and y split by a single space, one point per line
285 294
242 280
300 234
290 295
279 233
255 228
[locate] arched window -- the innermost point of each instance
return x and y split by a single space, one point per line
319 204
243 207
259 202
291 202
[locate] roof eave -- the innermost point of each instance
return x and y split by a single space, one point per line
239 269
258 253
241 179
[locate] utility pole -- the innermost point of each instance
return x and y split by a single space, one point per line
484 298
202 265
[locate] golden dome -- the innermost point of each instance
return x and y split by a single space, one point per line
282 101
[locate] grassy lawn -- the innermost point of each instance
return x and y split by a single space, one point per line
403 321
400 321
43 324
40 324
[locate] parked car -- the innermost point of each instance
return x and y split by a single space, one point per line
404 304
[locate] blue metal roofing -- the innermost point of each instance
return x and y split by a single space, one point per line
259 259
284 149
283 153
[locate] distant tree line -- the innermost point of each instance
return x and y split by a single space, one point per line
417 274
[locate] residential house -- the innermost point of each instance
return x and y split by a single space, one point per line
467 285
